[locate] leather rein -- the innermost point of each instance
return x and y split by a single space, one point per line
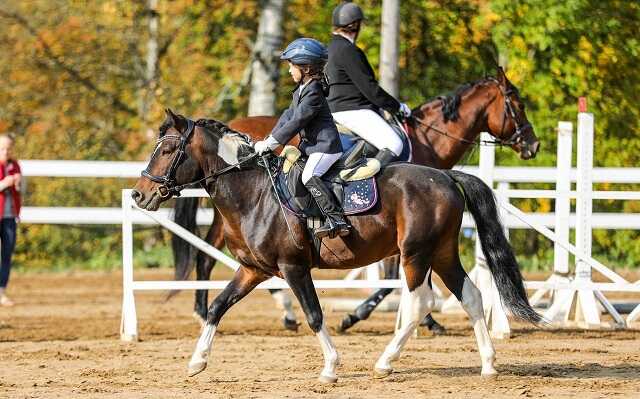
515 138
168 186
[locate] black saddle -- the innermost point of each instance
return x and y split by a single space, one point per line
354 197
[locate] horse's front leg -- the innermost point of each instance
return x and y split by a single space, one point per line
243 282
299 279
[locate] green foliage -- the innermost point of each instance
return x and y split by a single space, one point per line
73 77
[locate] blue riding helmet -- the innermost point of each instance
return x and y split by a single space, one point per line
305 51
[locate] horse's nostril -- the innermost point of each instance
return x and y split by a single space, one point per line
536 147
137 195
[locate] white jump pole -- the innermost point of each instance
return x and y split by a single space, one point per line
129 321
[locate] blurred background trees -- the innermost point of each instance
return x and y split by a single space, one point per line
89 80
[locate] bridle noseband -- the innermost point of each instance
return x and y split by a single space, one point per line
168 180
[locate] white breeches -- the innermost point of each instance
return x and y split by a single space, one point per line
371 127
318 164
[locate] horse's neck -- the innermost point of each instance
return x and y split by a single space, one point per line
447 151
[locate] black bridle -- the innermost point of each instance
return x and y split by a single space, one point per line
168 186
515 138
167 181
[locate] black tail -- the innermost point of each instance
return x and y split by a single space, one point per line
185 211
497 250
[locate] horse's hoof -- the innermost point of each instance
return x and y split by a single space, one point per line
437 329
291 325
348 322
489 375
381 373
196 368
328 379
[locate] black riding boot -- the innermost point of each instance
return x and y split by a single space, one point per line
335 223
385 157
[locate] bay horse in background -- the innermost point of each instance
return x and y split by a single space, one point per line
418 217
441 132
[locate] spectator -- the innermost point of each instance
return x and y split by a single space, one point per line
9 210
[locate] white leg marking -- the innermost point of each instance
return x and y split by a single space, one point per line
472 304
200 356
283 302
331 359
421 302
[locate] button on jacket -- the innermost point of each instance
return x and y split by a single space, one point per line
352 82
309 116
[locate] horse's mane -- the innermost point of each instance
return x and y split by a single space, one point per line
222 128
451 101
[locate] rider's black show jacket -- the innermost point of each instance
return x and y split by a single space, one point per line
309 115
352 83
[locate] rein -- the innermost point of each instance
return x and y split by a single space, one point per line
515 138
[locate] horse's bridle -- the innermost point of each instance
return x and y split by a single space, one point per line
168 186
168 180
515 138
517 135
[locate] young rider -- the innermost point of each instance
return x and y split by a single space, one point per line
309 116
355 97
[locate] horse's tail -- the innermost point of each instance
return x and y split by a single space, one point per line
185 210
497 250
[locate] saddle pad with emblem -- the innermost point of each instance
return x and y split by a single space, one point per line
354 197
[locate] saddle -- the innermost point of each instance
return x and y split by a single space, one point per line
351 178
356 194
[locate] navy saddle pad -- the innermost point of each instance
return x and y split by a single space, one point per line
354 197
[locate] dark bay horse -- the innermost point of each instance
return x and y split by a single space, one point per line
418 218
441 132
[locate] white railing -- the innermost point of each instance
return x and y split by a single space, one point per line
502 175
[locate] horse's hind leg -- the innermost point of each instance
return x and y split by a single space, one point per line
364 310
421 302
204 266
457 281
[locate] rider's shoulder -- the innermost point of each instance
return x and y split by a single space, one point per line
338 41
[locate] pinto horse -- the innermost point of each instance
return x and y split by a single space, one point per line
441 131
418 218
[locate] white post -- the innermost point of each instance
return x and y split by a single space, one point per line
587 311
563 204
129 322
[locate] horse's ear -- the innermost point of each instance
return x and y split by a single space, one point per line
177 121
502 78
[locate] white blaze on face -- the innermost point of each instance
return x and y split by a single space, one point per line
229 148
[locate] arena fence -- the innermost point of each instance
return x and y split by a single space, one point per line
574 297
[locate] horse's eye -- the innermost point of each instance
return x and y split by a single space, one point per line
521 106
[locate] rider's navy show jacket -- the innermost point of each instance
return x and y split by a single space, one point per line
309 115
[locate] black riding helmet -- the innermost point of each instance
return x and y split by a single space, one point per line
346 13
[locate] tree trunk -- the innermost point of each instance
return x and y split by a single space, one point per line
264 69
151 70
389 46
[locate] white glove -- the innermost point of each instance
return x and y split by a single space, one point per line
265 145
405 110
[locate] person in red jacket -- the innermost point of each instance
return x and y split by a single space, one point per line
10 176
